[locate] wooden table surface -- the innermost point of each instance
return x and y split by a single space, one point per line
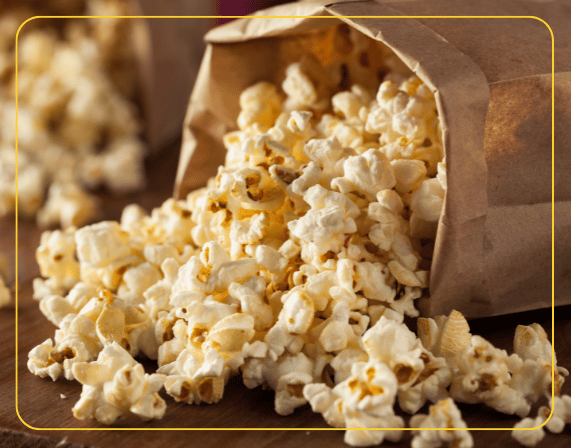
46 404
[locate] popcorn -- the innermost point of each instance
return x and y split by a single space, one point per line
430 384
534 377
443 414
41 363
117 385
364 400
326 223
484 377
561 414
529 437
77 124
69 205
369 173
299 88
56 258
196 376
428 200
396 346
261 104
101 244
294 266
293 374
556 424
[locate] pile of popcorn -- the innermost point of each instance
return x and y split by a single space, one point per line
294 268
78 127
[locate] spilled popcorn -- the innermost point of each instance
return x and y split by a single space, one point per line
78 127
294 268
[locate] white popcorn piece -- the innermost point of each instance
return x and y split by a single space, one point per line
445 415
75 341
41 363
408 174
428 200
369 173
297 312
56 258
289 390
122 165
529 437
395 345
403 275
299 88
330 218
117 385
55 308
102 243
364 400
533 378
556 424
137 279
251 297
483 376
260 104
68 205
230 333
430 385
561 414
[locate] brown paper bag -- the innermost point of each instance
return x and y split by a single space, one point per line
492 78
169 58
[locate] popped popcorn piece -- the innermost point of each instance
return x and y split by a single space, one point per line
484 377
369 173
292 378
56 258
446 415
260 104
41 363
196 376
67 205
529 437
431 384
428 200
561 413
395 345
364 400
556 424
117 385
101 244
533 378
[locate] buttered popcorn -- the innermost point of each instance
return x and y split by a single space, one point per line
77 122
295 268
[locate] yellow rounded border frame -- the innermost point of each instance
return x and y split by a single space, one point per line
301 17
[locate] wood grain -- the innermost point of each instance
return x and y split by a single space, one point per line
40 403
